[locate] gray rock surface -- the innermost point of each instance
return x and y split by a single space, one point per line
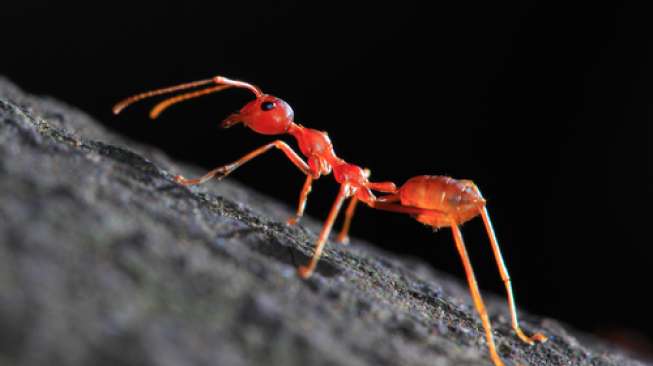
104 260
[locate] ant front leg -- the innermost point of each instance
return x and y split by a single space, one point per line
223 171
220 172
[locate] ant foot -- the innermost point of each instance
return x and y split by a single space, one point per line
536 338
293 220
539 338
186 182
304 272
343 239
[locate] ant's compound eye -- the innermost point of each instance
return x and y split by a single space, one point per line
266 106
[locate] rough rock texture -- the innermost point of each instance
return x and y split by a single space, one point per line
104 260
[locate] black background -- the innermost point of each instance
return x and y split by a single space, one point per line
544 105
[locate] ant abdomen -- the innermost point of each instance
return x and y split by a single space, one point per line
456 198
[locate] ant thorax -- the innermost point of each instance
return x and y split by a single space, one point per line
314 143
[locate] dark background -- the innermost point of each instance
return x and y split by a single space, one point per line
544 105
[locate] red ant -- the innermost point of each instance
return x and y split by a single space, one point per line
439 202
435 201
269 115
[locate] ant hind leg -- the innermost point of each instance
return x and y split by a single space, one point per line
503 271
476 294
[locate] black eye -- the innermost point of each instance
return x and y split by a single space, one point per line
266 106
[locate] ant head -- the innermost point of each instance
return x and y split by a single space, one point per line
267 115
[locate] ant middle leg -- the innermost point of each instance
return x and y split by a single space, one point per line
343 236
303 196
307 270
386 187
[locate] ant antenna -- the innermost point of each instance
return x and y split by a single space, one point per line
222 82
238 84
162 106
135 98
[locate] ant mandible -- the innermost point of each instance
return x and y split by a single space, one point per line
269 115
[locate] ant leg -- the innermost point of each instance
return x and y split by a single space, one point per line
386 187
476 294
382 204
389 198
503 270
306 271
225 170
303 196
349 214
460 246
